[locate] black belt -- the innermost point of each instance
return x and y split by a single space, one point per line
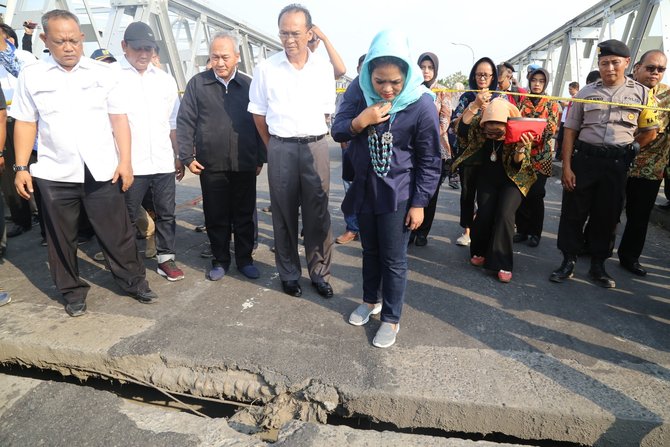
300 140
613 152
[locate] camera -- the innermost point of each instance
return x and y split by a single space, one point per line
30 25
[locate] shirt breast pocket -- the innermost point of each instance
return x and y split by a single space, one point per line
46 100
628 116
94 96
593 113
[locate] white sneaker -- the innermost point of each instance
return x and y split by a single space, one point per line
463 241
361 314
386 335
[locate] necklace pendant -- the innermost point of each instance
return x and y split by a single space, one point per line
494 156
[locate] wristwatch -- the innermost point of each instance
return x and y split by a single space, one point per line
19 168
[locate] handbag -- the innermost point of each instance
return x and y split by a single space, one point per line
518 126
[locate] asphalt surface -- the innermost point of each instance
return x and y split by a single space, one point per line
530 359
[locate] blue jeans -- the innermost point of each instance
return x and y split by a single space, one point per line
163 191
350 219
384 239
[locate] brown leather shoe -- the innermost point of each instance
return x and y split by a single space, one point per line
346 237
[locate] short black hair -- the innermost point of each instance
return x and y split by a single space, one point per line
648 53
388 60
296 7
592 76
508 65
361 59
574 84
57 14
10 32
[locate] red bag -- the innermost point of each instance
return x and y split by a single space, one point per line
518 126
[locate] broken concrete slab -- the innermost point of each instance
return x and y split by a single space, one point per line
529 359
35 412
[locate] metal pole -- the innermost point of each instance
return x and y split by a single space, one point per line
469 48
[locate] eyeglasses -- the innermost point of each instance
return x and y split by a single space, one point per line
653 68
493 134
483 76
286 35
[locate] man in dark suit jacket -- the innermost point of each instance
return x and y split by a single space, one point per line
219 142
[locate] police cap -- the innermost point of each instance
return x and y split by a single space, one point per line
613 47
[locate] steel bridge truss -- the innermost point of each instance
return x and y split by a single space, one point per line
183 29
569 53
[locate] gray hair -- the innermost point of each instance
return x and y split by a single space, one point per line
233 37
57 14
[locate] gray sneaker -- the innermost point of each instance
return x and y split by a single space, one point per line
385 335
361 314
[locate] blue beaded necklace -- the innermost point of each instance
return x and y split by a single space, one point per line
381 154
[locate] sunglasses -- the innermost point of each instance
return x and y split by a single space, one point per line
653 68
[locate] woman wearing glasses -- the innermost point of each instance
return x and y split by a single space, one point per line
389 117
483 76
504 178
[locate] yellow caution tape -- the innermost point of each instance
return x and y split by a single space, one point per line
552 98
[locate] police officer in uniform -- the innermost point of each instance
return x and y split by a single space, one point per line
604 140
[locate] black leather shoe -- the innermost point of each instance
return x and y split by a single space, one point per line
291 287
145 297
412 238
565 271
324 289
518 237
599 276
421 240
633 267
17 230
76 309
533 241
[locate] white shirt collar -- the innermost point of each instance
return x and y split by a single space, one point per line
83 63
127 66
223 81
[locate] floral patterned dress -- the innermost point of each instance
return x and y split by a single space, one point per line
541 151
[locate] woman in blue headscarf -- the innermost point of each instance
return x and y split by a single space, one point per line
389 118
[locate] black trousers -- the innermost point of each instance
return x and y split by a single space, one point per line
599 195
429 211
106 209
493 228
469 177
530 215
640 198
19 208
229 200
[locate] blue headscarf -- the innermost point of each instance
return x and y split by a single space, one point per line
393 43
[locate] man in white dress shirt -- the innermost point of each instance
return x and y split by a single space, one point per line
153 103
290 95
81 114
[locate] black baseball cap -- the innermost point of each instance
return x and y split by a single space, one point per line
139 34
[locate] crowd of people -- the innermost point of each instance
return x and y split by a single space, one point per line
103 141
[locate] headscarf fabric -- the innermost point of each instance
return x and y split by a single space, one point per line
435 61
393 43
